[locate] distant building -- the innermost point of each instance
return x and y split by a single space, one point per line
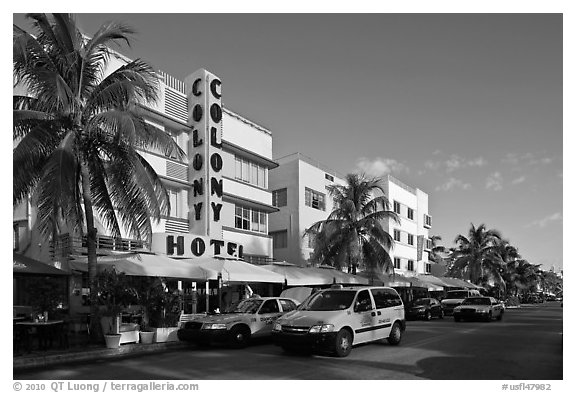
298 188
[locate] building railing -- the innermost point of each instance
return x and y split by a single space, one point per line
66 245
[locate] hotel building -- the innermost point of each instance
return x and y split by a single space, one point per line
298 188
219 193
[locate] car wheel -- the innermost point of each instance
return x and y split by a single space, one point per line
500 316
395 334
343 343
239 336
489 317
427 316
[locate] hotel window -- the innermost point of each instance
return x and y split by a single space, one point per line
175 203
428 244
410 265
427 220
280 197
250 219
428 268
250 172
329 177
279 239
396 235
314 199
396 207
396 263
411 213
411 239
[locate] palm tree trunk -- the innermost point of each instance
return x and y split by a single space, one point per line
91 246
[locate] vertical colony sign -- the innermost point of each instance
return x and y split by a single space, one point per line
205 117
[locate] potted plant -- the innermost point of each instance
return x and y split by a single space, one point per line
114 293
146 334
160 306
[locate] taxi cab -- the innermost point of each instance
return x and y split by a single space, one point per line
483 307
253 317
335 319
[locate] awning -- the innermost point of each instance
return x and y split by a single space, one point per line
458 283
432 283
148 265
311 276
339 277
235 271
394 280
298 276
25 265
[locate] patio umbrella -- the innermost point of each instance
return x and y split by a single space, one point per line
148 265
339 277
23 265
431 282
235 271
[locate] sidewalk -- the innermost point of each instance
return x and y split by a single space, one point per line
81 351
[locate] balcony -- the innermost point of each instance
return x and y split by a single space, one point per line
66 245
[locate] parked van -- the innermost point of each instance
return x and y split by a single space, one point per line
454 298
335 319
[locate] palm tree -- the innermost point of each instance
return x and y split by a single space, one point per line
77 130
436 249
473 256
353 234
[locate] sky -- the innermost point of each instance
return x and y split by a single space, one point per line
466 107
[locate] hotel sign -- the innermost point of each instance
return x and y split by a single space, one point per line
192 246
205 118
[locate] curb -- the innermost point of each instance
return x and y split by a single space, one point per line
30 362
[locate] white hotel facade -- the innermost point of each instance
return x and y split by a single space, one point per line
299 190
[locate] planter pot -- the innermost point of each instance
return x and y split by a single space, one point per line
112 340
166 334
147 337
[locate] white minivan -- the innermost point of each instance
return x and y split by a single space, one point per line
335 319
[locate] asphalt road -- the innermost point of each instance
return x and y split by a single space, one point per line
526 345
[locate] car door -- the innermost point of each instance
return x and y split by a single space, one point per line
389 308
265 317
363 317
435 307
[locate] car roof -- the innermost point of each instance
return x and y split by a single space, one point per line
356 288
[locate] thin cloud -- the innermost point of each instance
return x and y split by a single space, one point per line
519 180
454 163
516 159
452 184
380 166
494 181
544 222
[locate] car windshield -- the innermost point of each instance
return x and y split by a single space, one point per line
421 302
456 294
330 301
248 306
476 301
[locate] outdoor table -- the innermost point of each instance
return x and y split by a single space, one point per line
46 332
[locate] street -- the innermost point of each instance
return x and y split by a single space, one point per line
526 345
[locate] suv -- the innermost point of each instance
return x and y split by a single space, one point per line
335 319
454 298
252 317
